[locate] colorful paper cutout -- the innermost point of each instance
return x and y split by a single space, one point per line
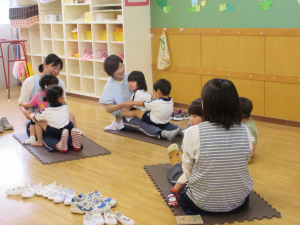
163 5
167 9
203 3
225 7
265 4
195 7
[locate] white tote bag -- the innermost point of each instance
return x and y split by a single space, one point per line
163 60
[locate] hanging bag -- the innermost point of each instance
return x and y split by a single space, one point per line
163 60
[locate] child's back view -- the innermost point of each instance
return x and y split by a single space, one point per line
246 108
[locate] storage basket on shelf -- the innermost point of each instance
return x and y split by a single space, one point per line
88 35
103 35
118 35
75 33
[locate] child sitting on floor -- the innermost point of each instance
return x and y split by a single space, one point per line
246 108
137 84
196 116
159 110
45 81
55 123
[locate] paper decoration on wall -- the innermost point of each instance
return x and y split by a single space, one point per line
225 7
266 4
163 5
195 7
299 2
203 3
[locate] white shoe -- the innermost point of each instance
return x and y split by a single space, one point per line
49 193
109 217
31 191
18 190
56 193
61 197
69 197
88 220
46 189
98 219
112 202
123 219
81 205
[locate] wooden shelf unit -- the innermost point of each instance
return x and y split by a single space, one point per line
88 77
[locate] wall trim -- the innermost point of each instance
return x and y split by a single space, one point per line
279 78
279 32
256 117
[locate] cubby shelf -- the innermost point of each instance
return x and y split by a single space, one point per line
87 77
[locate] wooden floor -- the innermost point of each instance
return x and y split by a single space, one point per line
275 170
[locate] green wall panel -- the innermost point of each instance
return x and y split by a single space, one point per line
245 14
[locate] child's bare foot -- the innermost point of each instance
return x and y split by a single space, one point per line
37 144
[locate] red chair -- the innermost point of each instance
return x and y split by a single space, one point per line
11 42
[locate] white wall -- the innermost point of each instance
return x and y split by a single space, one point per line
137 39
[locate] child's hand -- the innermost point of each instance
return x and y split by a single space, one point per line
21 104
127 104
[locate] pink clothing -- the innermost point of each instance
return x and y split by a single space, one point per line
37 100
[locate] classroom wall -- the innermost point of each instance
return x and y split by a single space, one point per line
259 56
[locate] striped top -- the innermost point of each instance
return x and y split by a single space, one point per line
220 179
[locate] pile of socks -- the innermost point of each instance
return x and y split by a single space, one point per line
24 16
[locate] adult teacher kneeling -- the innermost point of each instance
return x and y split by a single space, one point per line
116 96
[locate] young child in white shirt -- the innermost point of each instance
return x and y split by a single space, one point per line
37 100
196 116
56 124
137 84
158 111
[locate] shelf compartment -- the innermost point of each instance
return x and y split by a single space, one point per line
88 86
105 15
64 69
73 13
53 7
35 38
36 62
46 31
24 34
59 48
96 31
74 84
99 46
112 28
99 87
64 79
82 47
87 69
73 67
99 70
46 47
115 49
58 31
72 48
68 32
82 28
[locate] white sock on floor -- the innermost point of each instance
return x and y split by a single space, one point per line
113 126
31 140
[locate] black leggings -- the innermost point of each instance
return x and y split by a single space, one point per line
190 208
